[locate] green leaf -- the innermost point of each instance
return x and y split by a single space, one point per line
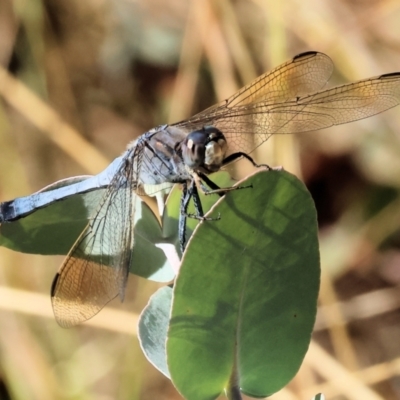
246 294
153 326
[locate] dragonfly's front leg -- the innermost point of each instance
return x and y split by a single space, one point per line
213 188
236 156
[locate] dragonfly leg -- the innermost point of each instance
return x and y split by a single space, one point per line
214 189
222 191
236 156
198 207
182 217
189 193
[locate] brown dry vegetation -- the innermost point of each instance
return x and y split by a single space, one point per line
112 69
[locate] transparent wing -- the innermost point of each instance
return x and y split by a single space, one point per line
303 74
96 268
282 101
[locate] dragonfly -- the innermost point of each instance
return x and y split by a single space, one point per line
289 99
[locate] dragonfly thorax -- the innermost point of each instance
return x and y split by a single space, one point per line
204 149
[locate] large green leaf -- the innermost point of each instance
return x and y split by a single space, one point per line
245 297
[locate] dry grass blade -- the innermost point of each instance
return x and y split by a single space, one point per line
347 382
46 119
185 83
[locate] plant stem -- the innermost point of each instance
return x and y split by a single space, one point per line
233 393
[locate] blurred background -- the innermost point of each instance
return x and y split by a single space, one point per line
80 79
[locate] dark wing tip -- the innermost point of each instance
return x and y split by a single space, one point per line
390 75
306 54
54 284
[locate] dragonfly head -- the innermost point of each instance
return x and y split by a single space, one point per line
204 149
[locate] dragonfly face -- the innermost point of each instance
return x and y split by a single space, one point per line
288 99
204 150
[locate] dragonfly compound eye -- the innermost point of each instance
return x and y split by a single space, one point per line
204 149
194 149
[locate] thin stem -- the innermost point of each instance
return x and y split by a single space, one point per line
233 393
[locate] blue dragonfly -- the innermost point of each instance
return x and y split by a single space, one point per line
289 99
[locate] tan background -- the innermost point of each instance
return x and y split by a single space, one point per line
112 69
